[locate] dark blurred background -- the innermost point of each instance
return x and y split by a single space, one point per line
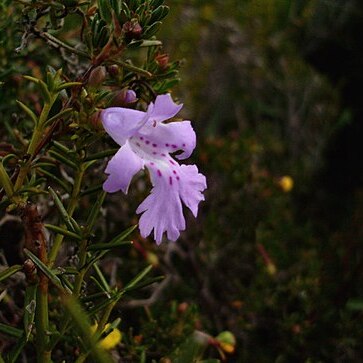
274 90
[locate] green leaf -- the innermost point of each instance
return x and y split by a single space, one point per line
45 91
68 85
10 330
95 210
10 271
71 224
156 3
63 231
29 309
55 179
104 8
151 30
123 234
28 111
17 349
45 269
355 304
107 246
145 283
63 113
138 278
63 159
101 278
159 13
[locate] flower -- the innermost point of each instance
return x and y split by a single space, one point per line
286 183
146 141
111 339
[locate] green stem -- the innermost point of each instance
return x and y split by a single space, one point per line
82 271
42 322
70 210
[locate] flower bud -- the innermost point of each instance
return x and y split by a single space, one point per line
123 98
113 70
132 29
97 76
162 60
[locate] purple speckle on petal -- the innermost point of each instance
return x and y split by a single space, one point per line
152 163
167 145
177 178
155 145
141 138
184 145
170 180
154 152
171 162
138 144
163 155
174 171
147 142
159 172
174 146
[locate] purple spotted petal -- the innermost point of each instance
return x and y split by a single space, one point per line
163 108
192 186
171 137
121 168
162 211
121 123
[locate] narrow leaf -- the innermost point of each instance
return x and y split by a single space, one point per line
95 210
68 85
63 159
138 278
62 231
29 309
10 271
65 216
10 330
45 269
63 113
107 246
28 111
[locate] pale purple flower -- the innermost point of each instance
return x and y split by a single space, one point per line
148 142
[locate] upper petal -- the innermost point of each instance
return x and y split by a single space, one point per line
163 108
121 123
171 137
121 168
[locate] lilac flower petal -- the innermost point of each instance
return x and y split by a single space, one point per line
191 187
171 137
121 168
162 211
121 123
163 108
